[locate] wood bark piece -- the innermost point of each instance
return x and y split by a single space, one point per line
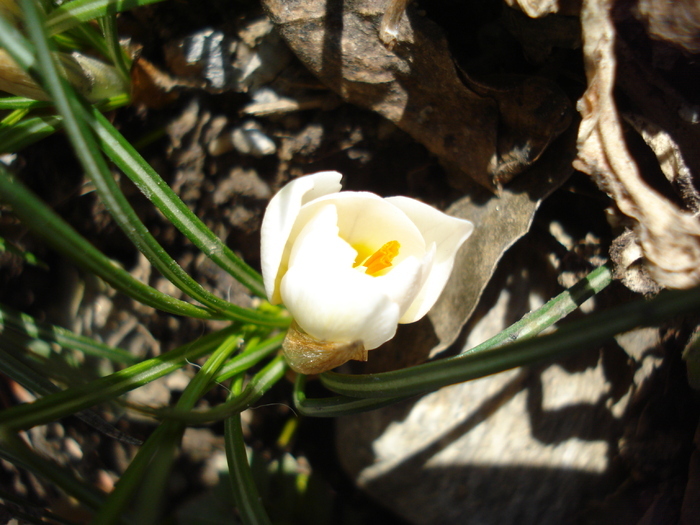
669 236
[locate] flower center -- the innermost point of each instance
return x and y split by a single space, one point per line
381 259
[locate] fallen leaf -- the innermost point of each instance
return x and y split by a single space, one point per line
500 222
668 235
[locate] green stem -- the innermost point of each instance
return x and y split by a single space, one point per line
245 493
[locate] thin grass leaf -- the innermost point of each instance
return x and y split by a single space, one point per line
132 163
109 512
60 367
148 504
78 398
21 372
30 327
58 234
108 24
335 406
256 388
114 200
22 103
19 48
89 37
125 156
72 13
13 118
577 335
245 493
151 466
551 312
125 216
251 355
27 132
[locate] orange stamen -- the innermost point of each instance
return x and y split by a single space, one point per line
382 258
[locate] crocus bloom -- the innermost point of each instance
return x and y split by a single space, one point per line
350 266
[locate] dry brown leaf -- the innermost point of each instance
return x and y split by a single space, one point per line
671 160
669 237
488 136
501 222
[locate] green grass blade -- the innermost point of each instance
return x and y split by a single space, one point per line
253 354
30 327
58 234
28 131
72 13
126 157
122 153
148 471
21 372
126 217
72 400
585 333
88 36
22 103
552 311
256 388
19 48
115 201
13 118
335 406
245 493
153 484
108 24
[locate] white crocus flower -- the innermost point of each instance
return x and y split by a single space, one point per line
350 266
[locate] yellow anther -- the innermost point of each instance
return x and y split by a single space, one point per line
382 258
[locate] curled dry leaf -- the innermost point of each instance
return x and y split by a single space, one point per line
487 134
669 236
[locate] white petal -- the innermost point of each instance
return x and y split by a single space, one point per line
339 305
448 234
403 282
279 219
366 220
318 243
330 300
